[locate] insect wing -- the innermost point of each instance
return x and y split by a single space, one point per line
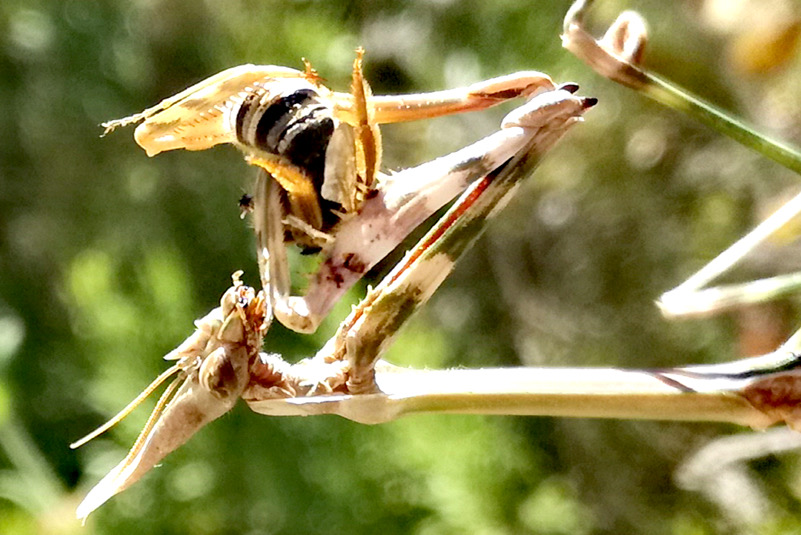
269 237
196 118
340 168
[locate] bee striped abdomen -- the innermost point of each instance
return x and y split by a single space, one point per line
293 124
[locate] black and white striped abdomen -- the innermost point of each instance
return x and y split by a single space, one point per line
288 119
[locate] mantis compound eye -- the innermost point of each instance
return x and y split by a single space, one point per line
229 301
217 374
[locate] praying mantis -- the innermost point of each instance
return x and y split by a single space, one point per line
370 214
222 360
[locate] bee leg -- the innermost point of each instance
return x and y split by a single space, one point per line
304 203
367 135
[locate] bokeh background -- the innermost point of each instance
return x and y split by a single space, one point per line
106 257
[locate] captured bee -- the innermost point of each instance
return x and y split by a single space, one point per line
318 152
321 147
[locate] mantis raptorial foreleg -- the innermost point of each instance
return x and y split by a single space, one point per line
399 203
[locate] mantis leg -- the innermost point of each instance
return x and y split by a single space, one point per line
401 203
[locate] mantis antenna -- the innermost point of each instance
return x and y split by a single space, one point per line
128 408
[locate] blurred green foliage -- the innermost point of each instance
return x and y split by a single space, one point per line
106 257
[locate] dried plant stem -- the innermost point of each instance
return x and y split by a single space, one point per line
612 57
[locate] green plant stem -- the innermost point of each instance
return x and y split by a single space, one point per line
679 99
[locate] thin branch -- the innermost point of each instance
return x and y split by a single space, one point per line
618 56
689 298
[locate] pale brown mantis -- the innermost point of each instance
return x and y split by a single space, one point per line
341 378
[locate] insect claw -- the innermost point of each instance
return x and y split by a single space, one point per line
570 87
310 73
212 372
245 205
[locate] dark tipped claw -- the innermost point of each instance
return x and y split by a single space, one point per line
570 87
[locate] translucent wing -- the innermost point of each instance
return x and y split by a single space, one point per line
340 181
195 118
